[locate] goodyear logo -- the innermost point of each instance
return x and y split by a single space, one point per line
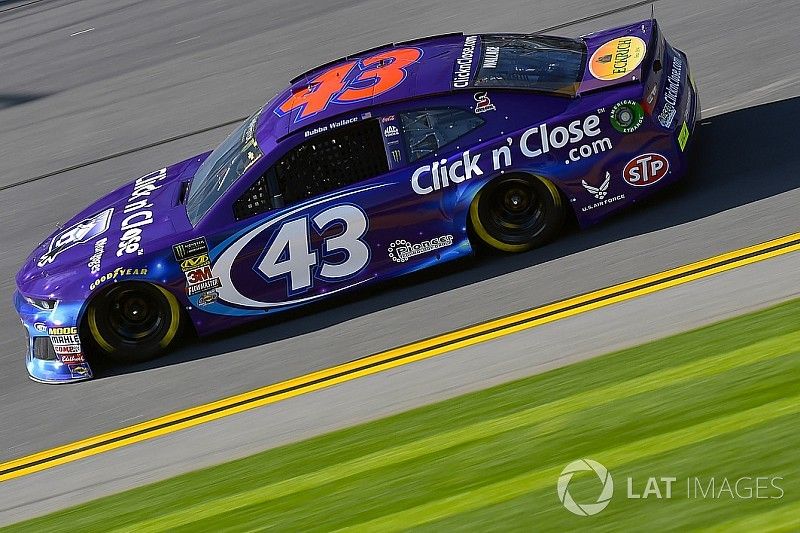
118 272
195 262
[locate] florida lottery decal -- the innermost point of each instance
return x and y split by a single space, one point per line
617 58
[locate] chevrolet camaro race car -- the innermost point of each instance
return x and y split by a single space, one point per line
372 166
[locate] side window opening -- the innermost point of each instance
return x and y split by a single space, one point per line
255 200
428 130
332 160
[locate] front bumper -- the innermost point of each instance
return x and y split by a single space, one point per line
54 352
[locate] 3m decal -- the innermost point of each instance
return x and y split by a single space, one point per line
645 170
201 280
351 81
617 58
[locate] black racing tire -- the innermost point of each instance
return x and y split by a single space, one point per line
517 212
133 321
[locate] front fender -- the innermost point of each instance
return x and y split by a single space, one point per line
55 353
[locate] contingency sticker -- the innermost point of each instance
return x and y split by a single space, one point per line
683 137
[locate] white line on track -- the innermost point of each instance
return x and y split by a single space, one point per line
82 31
189 39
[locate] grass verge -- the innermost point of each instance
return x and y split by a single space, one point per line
709 408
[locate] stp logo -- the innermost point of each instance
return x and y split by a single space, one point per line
645 170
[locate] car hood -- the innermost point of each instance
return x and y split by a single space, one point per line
122 225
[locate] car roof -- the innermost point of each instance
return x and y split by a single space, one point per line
430 74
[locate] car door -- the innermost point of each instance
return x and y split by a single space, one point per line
314 224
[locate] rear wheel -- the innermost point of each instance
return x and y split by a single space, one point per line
517 212
132 322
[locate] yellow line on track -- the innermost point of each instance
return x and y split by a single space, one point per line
402 355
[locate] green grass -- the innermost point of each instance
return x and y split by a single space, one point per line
722 402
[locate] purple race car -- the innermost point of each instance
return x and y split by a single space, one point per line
379 164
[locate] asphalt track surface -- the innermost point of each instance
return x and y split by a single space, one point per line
149 71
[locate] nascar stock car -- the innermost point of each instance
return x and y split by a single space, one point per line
372 166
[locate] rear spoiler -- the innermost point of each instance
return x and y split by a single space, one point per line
620 56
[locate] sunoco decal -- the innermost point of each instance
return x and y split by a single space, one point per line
617 57
83 231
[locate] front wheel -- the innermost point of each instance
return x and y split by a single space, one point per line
133 322
517 212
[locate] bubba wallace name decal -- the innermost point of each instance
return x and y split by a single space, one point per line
138 211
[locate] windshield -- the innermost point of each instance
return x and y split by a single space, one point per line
538 62
222 168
